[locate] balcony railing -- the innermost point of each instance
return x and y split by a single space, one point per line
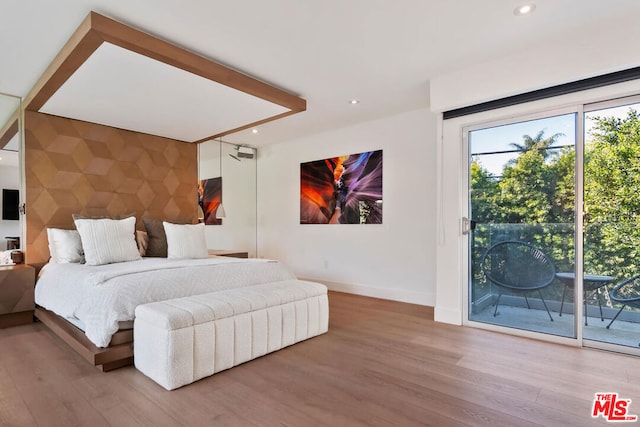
558 242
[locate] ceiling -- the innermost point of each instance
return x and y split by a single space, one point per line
380 52
112 74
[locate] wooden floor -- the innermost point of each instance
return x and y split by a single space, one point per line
382 363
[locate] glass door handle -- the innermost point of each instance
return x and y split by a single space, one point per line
468 225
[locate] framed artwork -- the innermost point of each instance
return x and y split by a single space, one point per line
209 197
342 190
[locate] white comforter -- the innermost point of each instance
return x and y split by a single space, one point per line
102 296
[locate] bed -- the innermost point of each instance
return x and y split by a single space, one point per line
89 300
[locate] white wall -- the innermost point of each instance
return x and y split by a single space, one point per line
576 57
10 179
394 260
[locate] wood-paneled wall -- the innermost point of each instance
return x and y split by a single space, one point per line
91 169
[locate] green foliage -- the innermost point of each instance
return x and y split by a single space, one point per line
563 200
484 193
526 189
534 200
612 202
539 142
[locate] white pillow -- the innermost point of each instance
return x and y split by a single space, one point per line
65 246
185 240
106 241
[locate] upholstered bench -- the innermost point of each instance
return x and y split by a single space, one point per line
182 340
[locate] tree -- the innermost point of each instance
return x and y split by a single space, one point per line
525 193
535 198
563 200
611 195
484 194
539 142
526 204
528 184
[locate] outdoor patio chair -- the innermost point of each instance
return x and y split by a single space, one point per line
626 293
518 267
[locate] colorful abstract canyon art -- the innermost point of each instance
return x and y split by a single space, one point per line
209 197
342 190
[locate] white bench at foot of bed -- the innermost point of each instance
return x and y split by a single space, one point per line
182 340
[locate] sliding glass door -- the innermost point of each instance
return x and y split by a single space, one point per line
521 205
612 223
523 194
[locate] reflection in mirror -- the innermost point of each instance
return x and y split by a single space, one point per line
237 167
10 141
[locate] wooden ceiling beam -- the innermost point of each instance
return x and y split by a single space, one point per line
75 52
97 29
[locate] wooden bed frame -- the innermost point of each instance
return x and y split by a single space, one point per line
118 354
120 350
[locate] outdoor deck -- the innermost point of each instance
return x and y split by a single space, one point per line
622 332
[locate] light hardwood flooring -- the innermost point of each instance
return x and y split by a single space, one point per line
381 363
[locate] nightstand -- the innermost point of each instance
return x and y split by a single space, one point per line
16 294
235 254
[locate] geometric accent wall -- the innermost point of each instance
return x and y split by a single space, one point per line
79 167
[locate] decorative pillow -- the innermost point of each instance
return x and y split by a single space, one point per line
106 241
185 240
65 246
157 245
142 240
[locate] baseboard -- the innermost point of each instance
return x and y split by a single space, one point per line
420 298
447 315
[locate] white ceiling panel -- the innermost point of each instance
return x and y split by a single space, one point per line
120 88
382 52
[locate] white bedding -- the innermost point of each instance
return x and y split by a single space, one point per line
101 296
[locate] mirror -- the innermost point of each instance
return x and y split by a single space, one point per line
237 167
10 175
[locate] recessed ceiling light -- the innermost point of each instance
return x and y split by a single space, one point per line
254 131
353 101
525 9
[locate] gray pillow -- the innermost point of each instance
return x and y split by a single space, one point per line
157 245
